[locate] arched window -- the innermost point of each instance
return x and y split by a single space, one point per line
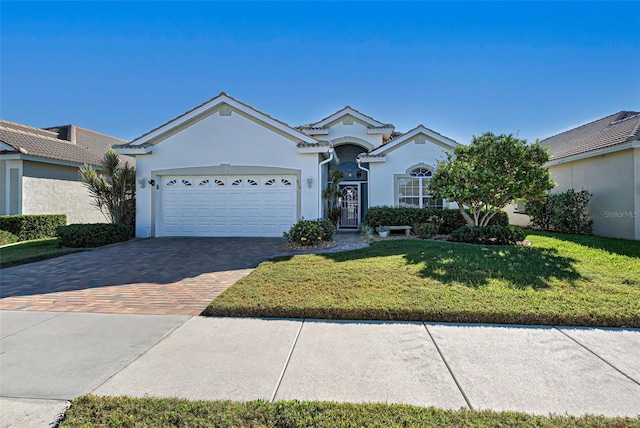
413 189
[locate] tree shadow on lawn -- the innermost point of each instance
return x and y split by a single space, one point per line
521 267
474 265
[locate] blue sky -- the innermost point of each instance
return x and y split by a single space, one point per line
459 68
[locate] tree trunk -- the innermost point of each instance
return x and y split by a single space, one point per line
467 217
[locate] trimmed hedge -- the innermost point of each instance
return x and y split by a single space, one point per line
93 234
489 235
7 237
32 226
404 216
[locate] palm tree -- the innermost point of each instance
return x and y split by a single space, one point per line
113 189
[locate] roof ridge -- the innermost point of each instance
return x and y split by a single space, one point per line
21 125
20 131
583 125
635 132
626 115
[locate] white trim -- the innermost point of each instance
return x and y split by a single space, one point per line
344 112
421 165
323 131
373 159
348 139
441 140
13 164
31 158
378 131
600 152
217 101
134 150
319 149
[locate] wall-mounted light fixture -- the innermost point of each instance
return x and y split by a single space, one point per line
152 182
309 181
142 182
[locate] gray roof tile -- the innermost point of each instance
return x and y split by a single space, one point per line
609 131
55 143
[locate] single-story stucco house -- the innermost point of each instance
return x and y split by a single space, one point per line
39 170
602 157
225 168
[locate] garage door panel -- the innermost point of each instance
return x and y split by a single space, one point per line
214 206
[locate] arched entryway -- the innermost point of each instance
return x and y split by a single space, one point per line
353 199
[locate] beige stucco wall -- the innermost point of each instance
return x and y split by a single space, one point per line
515 218
614 181
57 189
3 187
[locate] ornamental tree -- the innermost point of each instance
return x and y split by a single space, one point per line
113 189
492 171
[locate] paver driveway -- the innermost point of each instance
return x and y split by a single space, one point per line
177 276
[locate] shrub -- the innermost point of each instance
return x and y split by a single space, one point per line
366 231
308 233
404 216
541 213
571 212
93 234
7 237
566 212
328 229
425 230
488 235
32 226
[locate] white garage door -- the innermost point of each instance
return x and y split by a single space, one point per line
228 206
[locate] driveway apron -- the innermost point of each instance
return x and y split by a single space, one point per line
158 276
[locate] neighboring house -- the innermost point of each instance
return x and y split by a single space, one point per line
39 170
602 157
227 169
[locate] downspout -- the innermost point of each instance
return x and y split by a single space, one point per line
368 184
329 159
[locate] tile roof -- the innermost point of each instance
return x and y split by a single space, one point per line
393 136
369 155
612 130
58 142
318 144
311 125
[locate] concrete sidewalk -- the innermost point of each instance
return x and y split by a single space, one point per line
58 356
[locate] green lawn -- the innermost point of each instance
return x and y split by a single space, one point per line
31 251
558 280
92 411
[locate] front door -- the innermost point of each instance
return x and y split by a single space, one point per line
350 206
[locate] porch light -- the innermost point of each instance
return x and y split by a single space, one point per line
309 181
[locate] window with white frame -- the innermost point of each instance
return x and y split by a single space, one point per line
413 190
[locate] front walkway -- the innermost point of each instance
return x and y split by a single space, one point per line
162 276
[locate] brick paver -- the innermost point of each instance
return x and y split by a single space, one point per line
177 276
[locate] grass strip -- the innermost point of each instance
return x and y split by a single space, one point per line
32 251
129 412
558 280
